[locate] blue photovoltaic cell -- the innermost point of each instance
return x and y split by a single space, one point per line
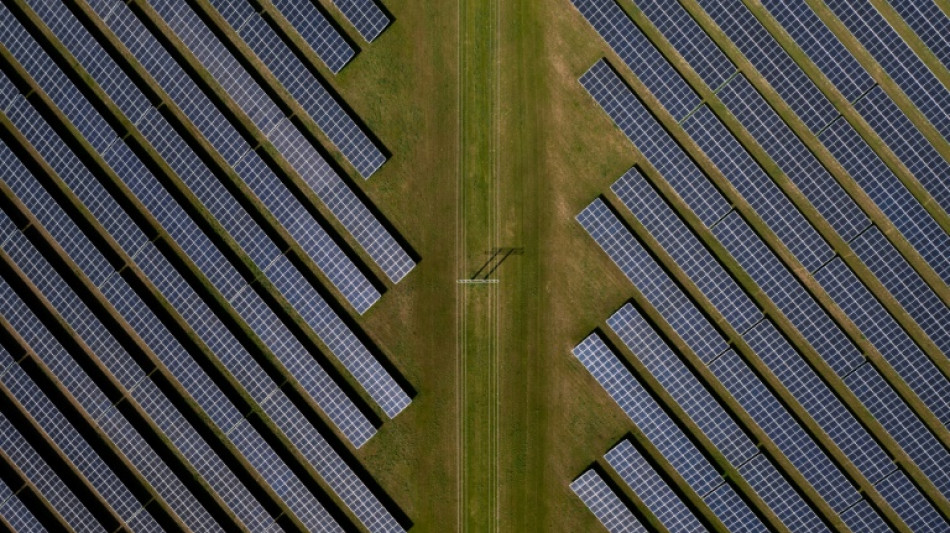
791 155
905 140
644 272
689 39
821 46
929 23
365 15
652 489
903 210
772 62
640 55
733 511
654 142
910 504
787 293
317 30
683 386
909 432
883 331
776 492
897 276
764 408
46 481
309 91
897 59
820 402
338 337
687 250
655 423
768 200
606 506
862 518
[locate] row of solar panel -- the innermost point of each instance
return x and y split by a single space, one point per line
225 416
802 167
678 380
798 163
239 224
344 344
794 86
627 111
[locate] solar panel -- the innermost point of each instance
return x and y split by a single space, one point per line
644 272
623 36
41 67
910 504
908 288
683 386
365 15
309 234
687 250
333 468
60 363
894 344
733 511
339 338
821 403
909 432
898 60
16 514
77 177
772 62
822 46
300 364
156 472
903 210
800 449
690 40
652 489
763 195
787 294
282 480
47 482
917 154
655 423
64 436
310 91
929 23
317 30
862 518
94 59
791 155
342 202
787 504
633 118
604 503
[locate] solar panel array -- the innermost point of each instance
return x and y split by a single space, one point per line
771 300
170 305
